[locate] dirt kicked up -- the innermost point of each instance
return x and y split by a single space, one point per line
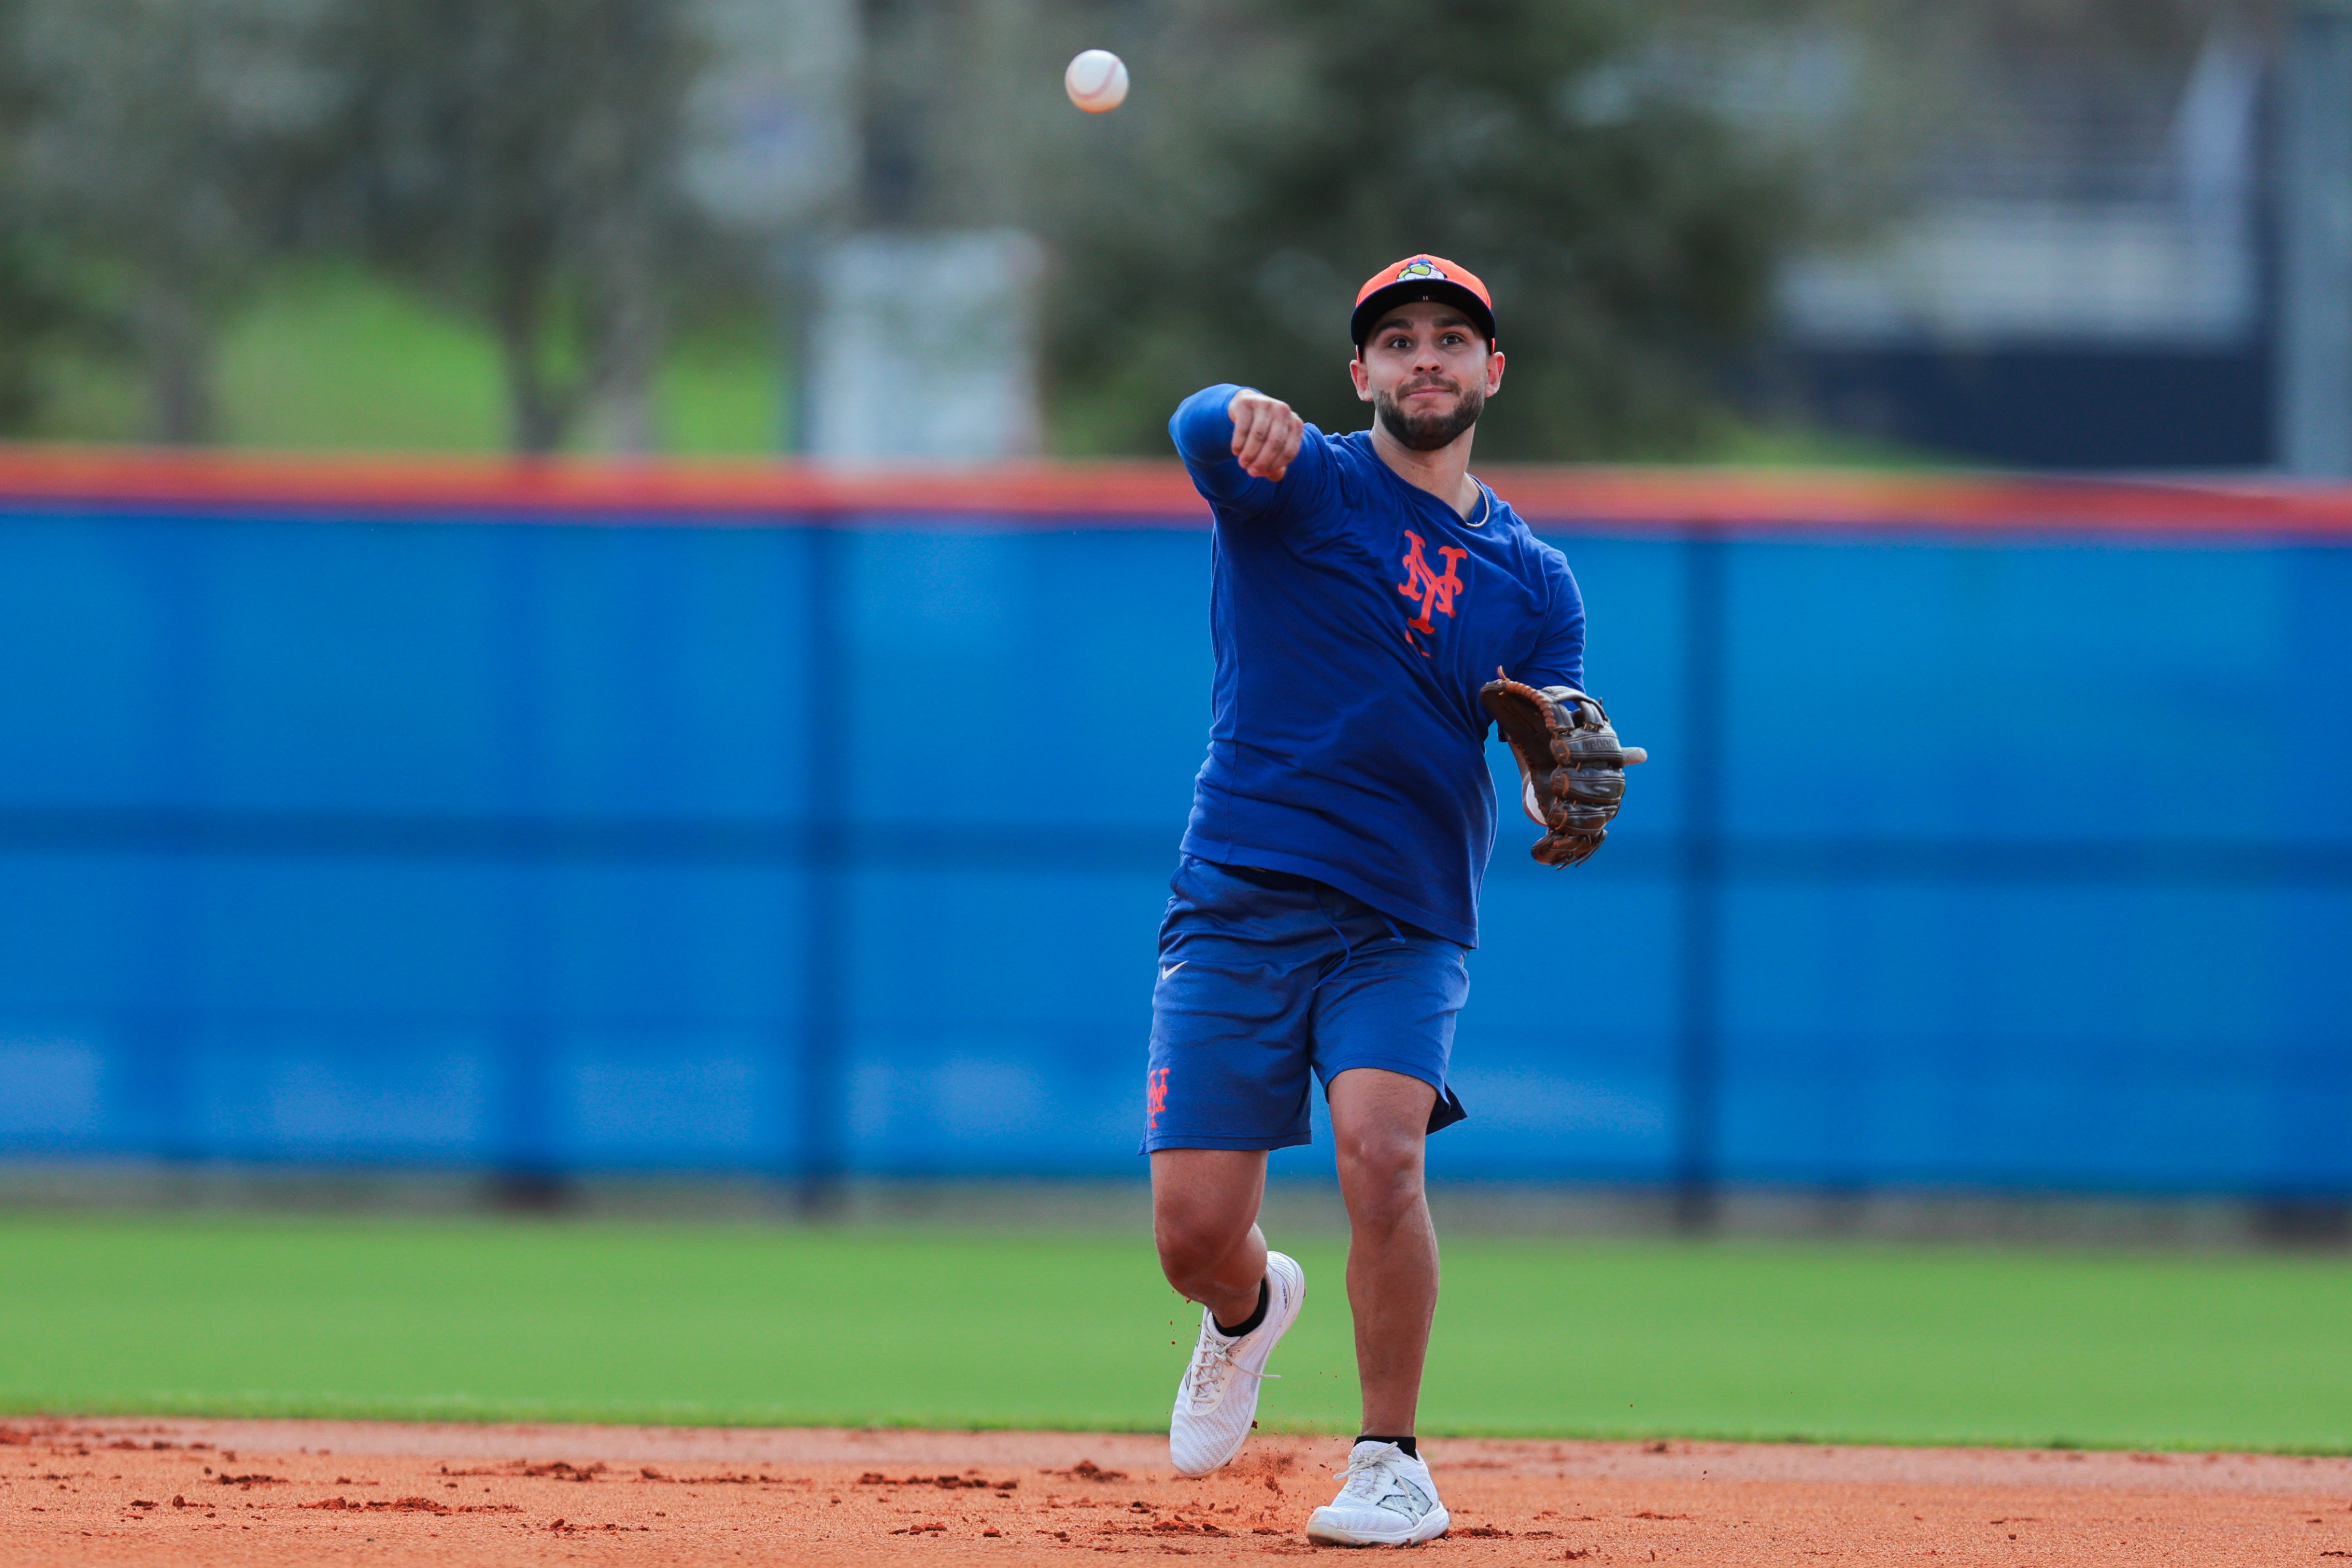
286 1492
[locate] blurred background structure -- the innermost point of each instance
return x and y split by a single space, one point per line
2071 234
392 805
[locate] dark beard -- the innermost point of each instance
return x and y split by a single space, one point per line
1429 432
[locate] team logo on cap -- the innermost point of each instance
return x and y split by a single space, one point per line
1421 271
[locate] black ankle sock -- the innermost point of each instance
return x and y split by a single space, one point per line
1249 1324
1410 1450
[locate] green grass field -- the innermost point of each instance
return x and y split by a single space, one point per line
328 358
715 1324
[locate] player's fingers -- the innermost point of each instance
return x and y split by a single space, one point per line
1282 446
1292 434
1253 429
1244 410
1267 458
1266 437
1269 461
1249 439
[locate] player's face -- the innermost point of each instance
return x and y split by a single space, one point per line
1427 373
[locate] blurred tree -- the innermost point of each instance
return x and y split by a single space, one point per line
39 305
1628 236
172 144
40 309
519 159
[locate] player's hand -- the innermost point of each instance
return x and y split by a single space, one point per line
1266 433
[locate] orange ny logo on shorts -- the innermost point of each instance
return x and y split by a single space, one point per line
1435 592
1155 1094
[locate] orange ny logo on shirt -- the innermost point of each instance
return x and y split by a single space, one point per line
1433 591
1155 1094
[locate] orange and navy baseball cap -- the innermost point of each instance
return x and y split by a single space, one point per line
1421 277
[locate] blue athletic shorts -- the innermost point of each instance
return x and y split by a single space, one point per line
1265 975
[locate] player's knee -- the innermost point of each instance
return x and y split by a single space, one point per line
1184 1268
1192 1246
1378 1161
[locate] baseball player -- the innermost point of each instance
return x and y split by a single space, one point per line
1373 607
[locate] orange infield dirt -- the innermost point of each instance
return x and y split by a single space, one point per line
270 1492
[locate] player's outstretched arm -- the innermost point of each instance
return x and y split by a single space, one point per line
1266 433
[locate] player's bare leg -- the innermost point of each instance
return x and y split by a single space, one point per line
1204 1205
1204 1214
1379 1124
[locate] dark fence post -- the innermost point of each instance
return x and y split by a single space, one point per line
529 1172
1698 1053
825 941
162 1089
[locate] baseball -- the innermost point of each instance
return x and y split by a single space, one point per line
1096 81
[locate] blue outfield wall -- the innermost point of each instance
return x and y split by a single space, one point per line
838 847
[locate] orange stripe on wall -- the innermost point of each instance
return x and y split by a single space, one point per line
1057 494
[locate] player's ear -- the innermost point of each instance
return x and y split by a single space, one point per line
1357 373
1493 370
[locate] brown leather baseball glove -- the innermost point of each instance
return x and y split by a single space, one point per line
1571 767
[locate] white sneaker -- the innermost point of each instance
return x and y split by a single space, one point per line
1388 1500
1216 1404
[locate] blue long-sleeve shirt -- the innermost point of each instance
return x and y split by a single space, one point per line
1355 618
